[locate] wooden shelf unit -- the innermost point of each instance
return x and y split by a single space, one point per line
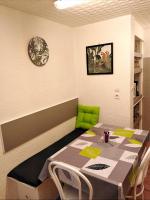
138 89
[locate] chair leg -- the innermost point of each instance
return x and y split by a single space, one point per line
134 197
143 196
134 192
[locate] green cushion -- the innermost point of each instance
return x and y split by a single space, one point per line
133 175
87 116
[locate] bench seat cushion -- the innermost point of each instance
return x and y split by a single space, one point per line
29 170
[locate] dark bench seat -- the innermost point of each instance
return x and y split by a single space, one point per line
29 170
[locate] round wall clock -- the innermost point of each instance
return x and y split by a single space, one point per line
38 51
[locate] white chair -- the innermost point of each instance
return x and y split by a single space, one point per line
77 179
140 174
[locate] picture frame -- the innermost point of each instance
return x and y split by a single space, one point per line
99 59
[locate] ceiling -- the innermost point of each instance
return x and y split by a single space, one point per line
87 13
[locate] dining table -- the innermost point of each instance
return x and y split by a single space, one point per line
108 163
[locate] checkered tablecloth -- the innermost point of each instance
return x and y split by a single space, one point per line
109 172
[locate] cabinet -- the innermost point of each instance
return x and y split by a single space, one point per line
138 82
19 190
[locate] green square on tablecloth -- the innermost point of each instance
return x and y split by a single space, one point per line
90 133
90 152
133 141
123 132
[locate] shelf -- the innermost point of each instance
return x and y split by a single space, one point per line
137 70
137 55
137 99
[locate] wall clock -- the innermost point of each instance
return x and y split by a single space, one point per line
38 51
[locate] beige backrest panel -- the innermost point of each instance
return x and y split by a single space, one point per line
146 93
21 130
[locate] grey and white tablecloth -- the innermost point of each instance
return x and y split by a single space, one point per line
119 156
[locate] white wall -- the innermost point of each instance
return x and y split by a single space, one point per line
26 88
99 89
147 42
138 30
146 80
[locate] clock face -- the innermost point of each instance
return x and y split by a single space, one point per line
38 51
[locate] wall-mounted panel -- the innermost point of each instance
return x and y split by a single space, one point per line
21 130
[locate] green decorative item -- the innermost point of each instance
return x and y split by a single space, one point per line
133 175
90 152
123 132
87 116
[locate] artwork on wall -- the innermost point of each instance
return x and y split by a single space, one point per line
99 59
38 51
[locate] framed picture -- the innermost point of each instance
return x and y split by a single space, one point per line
99 59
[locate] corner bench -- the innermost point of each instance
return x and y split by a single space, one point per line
25 175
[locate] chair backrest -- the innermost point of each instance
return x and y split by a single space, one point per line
142 170
78 178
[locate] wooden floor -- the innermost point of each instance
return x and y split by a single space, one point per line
147 186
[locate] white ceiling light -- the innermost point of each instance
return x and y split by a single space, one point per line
62 4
